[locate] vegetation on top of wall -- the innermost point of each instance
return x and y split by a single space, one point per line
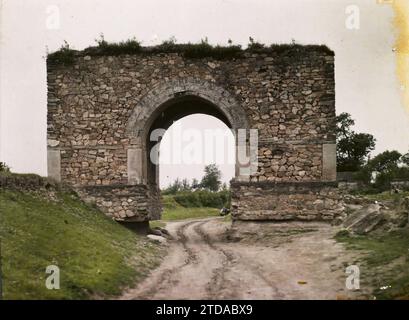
66 55
198 50
130 46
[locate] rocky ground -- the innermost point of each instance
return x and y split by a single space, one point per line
378 214
206 260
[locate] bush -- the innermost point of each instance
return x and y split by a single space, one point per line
130 46
65 55
179 186
383 180
203 198
387 167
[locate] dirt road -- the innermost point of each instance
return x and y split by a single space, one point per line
298 261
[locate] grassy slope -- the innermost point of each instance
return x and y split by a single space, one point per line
96 256
385 263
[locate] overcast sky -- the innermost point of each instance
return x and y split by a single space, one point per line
366 81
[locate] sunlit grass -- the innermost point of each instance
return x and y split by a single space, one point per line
96 256
385 261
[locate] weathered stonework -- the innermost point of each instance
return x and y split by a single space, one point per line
101 110
124 202
285 201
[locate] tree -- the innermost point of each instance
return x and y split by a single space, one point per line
185 185
352 147
211 179
385 161
195 183
405 159
179 185
174 187
387 166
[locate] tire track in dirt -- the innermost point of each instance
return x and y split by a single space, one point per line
191 255
218 281
202 264
165 278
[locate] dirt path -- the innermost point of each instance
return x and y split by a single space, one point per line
296 262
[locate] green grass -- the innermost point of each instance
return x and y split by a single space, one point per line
174 211
387 196
385 261
96 256
189 213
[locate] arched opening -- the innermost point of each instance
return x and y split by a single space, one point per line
168 114
158 109
192 143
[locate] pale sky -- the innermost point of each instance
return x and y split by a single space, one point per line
366 81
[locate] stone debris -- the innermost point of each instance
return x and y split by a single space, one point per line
375 216
162 232
157 239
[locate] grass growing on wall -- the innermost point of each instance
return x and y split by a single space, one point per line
96 256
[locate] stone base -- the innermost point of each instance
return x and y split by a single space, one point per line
279 231
281 201
128 203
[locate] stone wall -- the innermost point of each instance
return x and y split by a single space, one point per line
289 162
98 107
400 184
318 201
124 202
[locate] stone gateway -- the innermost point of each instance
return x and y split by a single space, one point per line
102 108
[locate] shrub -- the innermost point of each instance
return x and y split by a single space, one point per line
284 53
199 50
203 198
65 55
387 167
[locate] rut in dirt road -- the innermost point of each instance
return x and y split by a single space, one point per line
202 264
194 267
165 279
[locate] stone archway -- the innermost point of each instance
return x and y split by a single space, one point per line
168 102
102 108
